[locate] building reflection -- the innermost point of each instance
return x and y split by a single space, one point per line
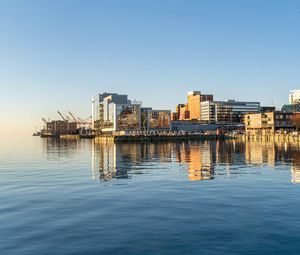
115 160
260 153
58 149
201 160
295 167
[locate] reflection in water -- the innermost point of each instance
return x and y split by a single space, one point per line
199 157
295 167
202 160
113 160
57 149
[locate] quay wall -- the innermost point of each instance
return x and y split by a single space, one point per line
275 137
162 138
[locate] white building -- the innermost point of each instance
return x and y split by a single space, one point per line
113 112
227 111
294 97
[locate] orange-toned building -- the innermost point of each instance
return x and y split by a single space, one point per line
194 103
191 110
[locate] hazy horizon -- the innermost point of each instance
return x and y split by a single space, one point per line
56 55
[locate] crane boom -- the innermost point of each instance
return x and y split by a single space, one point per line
61 115
44 120
73 116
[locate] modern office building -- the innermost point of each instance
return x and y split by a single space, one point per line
294 96
195 98
113 112
227 111
192 109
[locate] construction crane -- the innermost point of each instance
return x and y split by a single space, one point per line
44 120
64 117
61 115
72 115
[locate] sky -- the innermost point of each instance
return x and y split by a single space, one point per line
57 54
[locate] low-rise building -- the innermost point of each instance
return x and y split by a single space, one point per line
296 120
267 109
268 123
192 126
157 120
291 108
60 127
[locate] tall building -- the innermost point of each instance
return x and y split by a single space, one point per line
113 112
227 111
294 97
194 104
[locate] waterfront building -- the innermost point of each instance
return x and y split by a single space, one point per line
296 120
294 102
227 111
181 113
157 120
294 96
192 126
291 108
144 117
195 98
113 112
192 109
268 123
60 127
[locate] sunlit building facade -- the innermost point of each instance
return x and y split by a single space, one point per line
159 119
194 104
227 111
113 112
267 123
192 109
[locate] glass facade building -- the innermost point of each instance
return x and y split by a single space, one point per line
227 111
113 112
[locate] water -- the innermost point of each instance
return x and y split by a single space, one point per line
81 197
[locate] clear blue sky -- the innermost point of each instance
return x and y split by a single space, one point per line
55 55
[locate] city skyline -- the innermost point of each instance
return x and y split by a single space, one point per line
57 55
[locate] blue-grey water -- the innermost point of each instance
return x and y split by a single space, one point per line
86 197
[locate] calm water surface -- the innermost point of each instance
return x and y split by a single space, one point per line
86 197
